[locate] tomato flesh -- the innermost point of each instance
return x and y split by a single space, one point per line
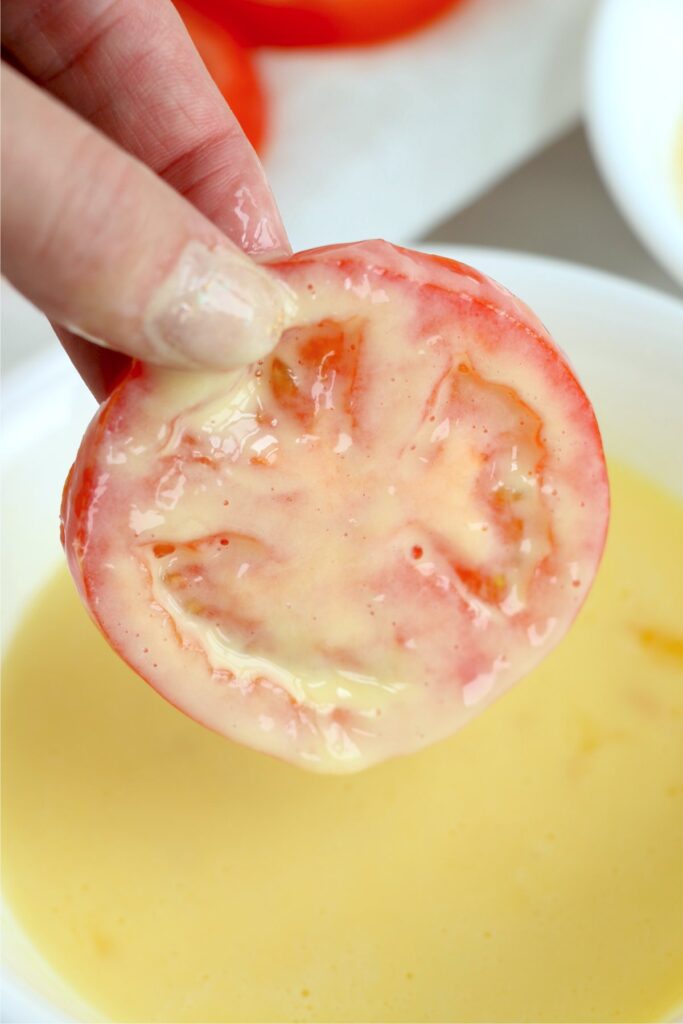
346 551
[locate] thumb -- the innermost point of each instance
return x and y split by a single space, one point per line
100 244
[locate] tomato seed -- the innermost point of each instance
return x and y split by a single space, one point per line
161 550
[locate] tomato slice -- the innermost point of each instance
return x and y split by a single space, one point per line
321 22
232 69
346 551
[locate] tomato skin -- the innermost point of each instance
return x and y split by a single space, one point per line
232 69
512 359
322 22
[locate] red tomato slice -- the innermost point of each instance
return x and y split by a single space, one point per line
321 22
232 69
348 550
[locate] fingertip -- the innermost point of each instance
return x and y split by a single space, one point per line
216 310
274 255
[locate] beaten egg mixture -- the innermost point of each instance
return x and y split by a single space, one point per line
529 868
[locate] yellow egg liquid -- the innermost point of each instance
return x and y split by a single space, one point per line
529 868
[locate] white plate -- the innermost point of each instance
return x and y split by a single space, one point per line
635 115
625 341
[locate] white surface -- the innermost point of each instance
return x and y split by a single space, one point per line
610 329
386 141
635 112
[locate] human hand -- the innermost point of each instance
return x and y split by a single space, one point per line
125 218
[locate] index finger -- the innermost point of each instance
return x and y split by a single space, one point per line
132 71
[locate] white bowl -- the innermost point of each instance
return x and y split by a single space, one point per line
635 117
624 340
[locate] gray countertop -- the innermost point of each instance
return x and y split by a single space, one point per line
557 205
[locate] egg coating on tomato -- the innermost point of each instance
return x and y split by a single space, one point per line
346 551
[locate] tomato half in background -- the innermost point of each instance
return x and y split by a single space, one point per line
232 68
322 22
346 551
